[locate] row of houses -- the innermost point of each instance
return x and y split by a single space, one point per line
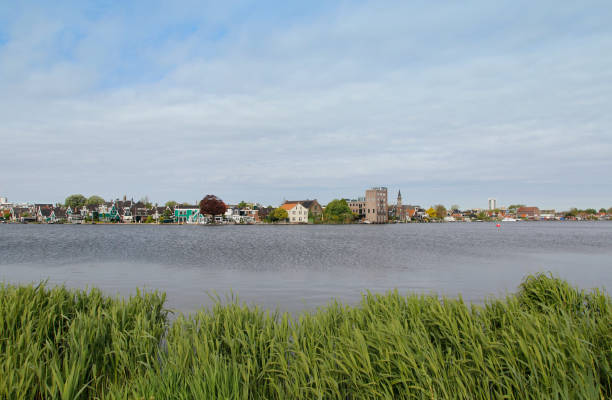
298 211
372 208
116 211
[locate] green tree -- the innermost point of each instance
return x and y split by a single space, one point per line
75 201
278 214
590 211
166 215
338 212
171 204
609 211
483 215
602 210
149 220
514 207
243 204
440 211
6 215
455 207
94 201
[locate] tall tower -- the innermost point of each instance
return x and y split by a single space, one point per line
399 209
492 204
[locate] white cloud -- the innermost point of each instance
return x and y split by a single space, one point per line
362 96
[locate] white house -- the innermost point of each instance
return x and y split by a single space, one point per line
297 212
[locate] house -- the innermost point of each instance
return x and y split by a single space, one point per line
58 215
74 216
23 214
263 212
44 212
140 212
188 214
528 212
297 212
313 206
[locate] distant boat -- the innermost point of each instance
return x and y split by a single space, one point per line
508 219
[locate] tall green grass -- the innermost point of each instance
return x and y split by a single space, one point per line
548 341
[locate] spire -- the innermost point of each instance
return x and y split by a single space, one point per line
399 194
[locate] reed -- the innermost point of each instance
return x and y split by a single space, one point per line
549 340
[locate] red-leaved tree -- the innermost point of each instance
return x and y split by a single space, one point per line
212 205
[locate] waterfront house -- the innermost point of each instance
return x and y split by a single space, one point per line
44 212
58 215
297 212
74 216
22 214
140 212
528 212
263 212
189 214
313 206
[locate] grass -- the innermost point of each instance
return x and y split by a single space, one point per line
548 341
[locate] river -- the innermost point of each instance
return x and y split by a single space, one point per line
302 267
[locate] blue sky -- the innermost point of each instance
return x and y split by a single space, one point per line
264 101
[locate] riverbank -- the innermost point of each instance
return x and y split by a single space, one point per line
549 340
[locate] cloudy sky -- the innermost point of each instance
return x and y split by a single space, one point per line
451 102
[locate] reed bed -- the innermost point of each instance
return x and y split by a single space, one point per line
547 341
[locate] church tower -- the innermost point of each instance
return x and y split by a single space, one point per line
399 209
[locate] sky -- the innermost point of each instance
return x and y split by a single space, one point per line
451 102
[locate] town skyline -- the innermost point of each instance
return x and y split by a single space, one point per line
391 198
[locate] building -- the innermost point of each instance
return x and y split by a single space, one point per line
358 207
376 205
528 212
186 214
313 207
400 213
492 204
297 212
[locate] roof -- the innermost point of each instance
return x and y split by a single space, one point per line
305 203
289 206
59 212
527 209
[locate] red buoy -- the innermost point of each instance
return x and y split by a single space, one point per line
498 225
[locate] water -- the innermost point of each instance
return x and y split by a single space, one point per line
302 267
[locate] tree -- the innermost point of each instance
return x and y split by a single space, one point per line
94 201
431 212
278 214
170 203
440 211
514 207
6 215
212 205
602 210
75 201
242 204
610 211
166 215
149 220
338 211
455 207
590 211
483 215
145 200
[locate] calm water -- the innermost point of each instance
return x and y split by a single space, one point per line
302 267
